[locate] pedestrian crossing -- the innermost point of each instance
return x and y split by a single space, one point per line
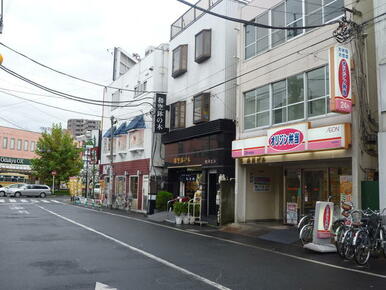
29 200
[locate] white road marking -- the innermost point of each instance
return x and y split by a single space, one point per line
23 212
45 201
12 200
34 200
242 244
53 200
151 256
15 207
2 200
24 200
101 286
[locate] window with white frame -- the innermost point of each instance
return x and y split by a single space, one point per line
26 145
5 142
12 144
290 13
32 149
136 139
297 97
122 143
256 108
19 141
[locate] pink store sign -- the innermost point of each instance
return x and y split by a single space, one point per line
298 138
288 139
340 79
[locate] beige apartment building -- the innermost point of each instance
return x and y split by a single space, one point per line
291 150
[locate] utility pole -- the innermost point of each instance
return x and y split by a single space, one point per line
111 186
87 152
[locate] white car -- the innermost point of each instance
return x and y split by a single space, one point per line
9 188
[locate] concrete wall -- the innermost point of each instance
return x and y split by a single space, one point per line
220 66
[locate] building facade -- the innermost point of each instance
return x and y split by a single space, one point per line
78 127
201 104
291 149
16 150
135 164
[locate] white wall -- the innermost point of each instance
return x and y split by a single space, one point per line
219 67
152 69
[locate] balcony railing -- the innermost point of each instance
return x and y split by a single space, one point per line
191 16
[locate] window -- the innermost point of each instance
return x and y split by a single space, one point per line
201 108
134 187
318 91
295 98
203 45
144 86
122 143
278 19
256 107
19 144
177 115
32 146
136 139
5 142
179 61
26 144
290 13
12 144
136 90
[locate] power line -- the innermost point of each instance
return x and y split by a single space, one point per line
245 22
74 98
12 123
74 77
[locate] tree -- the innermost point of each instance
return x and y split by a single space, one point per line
56 151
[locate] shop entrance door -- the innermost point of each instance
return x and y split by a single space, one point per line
314 189
212 191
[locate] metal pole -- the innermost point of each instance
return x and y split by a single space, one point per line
93 175
53 184
86 171
111 188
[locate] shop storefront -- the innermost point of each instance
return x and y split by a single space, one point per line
196 156
289 169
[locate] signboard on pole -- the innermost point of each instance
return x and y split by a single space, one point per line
340 79
292 213
160 113
53 173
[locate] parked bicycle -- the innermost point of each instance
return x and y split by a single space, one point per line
371 238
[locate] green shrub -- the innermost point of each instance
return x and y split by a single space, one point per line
162 199
178 208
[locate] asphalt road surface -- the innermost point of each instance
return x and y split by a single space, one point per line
47 244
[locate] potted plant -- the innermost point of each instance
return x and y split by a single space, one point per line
177 209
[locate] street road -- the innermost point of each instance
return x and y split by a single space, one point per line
48 244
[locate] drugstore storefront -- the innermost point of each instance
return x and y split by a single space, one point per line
281 175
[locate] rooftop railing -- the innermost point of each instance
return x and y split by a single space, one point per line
191 16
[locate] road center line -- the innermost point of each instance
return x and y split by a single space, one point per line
242 244
151 256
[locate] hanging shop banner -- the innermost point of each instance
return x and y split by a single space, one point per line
294 138
345 188
324 212
160 113
340 79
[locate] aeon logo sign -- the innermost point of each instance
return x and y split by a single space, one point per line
326 217
286 139
344 78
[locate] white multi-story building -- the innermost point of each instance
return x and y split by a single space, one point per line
203 57
290 149
136 150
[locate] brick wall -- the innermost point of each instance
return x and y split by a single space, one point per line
18 134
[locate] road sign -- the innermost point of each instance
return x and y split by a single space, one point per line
53 173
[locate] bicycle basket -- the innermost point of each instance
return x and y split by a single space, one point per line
356 217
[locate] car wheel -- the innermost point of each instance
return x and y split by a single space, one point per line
17 194
2 193
42 195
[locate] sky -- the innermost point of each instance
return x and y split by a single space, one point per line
78 38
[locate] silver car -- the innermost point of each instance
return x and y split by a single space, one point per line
30 190
5 190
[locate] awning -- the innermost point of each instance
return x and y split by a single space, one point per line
120 130
137 123
108 133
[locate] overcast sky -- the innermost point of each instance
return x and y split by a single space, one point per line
76 37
